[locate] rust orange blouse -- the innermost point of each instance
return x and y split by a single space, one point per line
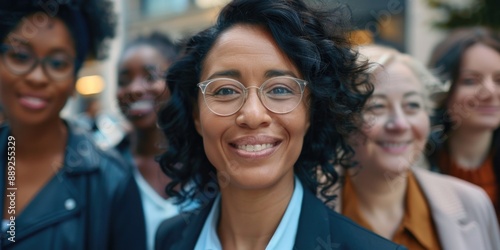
416 230
484 176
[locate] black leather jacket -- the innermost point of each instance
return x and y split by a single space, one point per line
92 202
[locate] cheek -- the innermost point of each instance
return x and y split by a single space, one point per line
462 96
421 129
68 90
121 94
160 92
373 125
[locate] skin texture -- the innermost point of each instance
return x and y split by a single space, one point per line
32 102
253 123
478 90
15 89
141 90
475 106
140 80
255 186
395 114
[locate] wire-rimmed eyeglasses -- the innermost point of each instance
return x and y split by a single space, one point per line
225 96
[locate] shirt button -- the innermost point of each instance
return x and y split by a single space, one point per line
70 204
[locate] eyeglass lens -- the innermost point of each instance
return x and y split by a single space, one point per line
21 61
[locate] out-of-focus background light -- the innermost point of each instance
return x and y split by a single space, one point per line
90 85
204 4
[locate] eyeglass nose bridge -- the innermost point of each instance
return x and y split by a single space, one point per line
38 62
259 95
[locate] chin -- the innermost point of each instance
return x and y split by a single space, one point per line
143 123
396 166
251 180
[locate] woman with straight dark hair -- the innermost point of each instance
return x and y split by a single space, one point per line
467 146
260 103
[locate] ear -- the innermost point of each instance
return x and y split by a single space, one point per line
196 118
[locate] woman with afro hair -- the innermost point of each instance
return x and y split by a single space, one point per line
58 189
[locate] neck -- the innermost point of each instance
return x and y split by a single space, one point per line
381 199
249 218
146 142
379 192
31 140
470 148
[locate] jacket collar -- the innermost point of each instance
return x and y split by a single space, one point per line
313 229
450 216
195 221
81 158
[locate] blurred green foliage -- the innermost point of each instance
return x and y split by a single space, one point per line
479 12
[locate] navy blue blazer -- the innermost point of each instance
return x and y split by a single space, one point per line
319 228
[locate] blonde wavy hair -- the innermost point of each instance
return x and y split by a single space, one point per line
380 57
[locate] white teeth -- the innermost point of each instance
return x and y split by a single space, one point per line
393 145
255 148
141 105
33 100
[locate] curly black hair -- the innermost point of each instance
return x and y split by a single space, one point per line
161 42
90 22
317 42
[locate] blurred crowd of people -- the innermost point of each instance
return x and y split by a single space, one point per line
267 130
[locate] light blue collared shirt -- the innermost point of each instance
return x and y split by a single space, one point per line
283 237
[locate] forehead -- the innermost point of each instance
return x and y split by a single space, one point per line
396 78
248 49
141 53
42 33
481 57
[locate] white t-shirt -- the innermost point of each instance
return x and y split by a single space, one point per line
156 208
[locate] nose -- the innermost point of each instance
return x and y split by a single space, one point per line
397 122
253 114
487 89
37 77
137 87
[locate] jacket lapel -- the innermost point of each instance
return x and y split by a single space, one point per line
194 224
450 217
47 208
313 229
61 198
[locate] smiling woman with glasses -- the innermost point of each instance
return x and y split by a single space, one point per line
259 106
68 193
21 60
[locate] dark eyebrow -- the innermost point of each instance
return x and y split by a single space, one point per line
275 72
226 73
236 74
18 41
378 96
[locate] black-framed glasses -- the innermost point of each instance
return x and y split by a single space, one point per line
21 60
225 96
